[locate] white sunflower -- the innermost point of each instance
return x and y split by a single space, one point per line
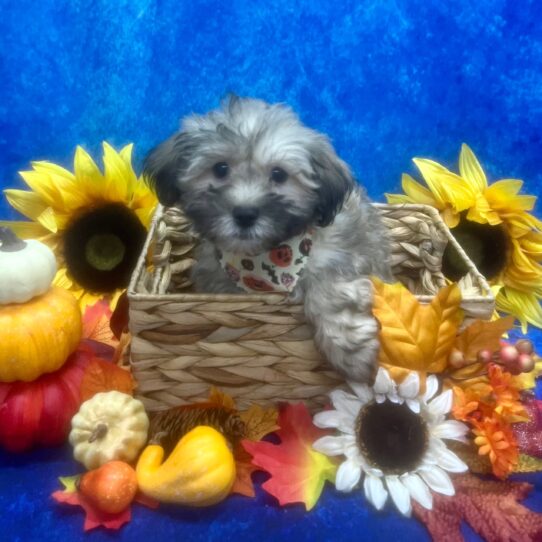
391 436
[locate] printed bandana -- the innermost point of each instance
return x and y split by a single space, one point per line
277 270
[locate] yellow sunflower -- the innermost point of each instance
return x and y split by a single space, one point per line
492 223
95 222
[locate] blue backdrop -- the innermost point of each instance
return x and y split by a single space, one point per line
386 80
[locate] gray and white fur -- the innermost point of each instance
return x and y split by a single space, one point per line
250 175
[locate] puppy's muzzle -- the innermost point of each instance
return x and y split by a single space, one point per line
245 217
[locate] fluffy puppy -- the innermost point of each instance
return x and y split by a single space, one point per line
251 176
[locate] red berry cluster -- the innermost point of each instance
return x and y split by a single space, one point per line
515 358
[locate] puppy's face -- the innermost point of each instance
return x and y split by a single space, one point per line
249 175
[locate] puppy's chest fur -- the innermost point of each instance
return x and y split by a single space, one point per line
354 245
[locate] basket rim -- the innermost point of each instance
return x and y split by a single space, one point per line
273 297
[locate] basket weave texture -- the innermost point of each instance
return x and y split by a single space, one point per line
258 348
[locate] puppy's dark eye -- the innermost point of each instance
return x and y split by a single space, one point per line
221 170
278 175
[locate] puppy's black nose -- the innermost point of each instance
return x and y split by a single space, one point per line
245 216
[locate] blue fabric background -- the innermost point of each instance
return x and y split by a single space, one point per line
386 80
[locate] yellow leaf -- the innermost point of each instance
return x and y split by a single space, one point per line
415 336
482 335
259 421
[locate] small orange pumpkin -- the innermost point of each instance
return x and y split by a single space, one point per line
111 487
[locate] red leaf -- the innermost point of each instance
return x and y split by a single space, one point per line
93 517
529 434
298 473
491 508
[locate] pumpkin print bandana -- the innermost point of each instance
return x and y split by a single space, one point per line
277 270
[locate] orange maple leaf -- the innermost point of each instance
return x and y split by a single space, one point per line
243 484
481 335
101 375
259 421
96 324
415 336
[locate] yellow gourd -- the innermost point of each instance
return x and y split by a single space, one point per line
37 337
199 472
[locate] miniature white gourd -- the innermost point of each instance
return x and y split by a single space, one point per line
109 426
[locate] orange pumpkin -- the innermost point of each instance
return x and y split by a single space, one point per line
38 336
111 487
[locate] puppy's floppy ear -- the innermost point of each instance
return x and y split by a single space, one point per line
334 180
163 165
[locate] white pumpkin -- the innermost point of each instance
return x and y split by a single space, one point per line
109 426
27 268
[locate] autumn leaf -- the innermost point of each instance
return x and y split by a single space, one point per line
259 421
481 335
220 399
101 375
243 484
468 453
415 336
298 472
96 324
527 463
492 509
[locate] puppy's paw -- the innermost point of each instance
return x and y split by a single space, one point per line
353 350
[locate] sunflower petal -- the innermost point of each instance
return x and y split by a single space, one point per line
441 404
431 387
524 306
363 391
447 187
384 384
42 184
398 199
345 402
399 494
53 170
26 230
328 445
348 476
416 192
471 170
410 386
329 419
88 175
438 480
48 220
447 460
374 491
27 203
119 175
418 490
451 429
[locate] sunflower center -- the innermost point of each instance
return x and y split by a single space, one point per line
104 251
102 246
391 437
485 245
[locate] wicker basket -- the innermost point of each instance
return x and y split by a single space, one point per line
257 348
